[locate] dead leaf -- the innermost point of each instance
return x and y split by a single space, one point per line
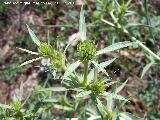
73 39
79 2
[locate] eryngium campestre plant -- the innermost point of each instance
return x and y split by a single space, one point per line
86 50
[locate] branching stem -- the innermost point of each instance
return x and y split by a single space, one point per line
95 73
134 39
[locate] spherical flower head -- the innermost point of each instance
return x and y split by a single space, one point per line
86 50
122 11
123 8
58 59
46 50
97 87
16 106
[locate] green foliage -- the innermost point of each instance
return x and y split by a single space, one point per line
82 26
90 89
10 71
129 116
33 36
146 68
149 96
115 46
3 8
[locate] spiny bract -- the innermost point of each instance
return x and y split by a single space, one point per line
86 50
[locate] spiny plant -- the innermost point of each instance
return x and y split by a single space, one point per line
90 98
120 22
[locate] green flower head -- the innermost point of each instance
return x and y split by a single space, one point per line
16 106
86 50
58 59
123 8
46 50
97 87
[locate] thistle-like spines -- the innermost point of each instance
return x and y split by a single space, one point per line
97 87
46 50
86 50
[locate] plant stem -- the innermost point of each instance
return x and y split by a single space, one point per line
134 39
148 50
85 72
95 73
148 18
72 74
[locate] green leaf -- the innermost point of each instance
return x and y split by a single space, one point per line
33 36
83 94
94 118
82 25
63 107
119 107
129 2
50 100
103 64
66 48
115 96
100 67
108 62
117 90
111 83
100 106
128 116
54 89
115 46
71 68
109 102
146 68
28 51
5 106
30 61
158 53
90 75
92 111
21 91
